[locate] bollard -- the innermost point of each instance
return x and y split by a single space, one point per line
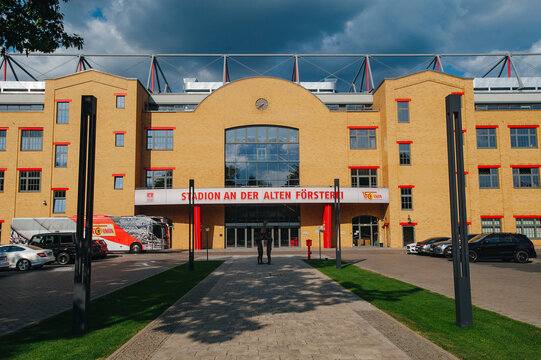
309 244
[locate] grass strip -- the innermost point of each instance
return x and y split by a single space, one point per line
114 318
432 315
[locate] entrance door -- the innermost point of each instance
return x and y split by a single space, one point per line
365 231
408 235
245 236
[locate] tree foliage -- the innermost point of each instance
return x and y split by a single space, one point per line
34 25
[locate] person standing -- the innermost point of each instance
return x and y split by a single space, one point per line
268 243
259 241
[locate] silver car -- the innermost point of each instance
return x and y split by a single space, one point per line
4 264
25 257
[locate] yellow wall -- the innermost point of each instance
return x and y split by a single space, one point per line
323 147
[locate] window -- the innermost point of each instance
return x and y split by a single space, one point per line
403 111
488 178
159 179
119 139
59 201
405 154
262 156
160 139
1 180
62 112
362 138
3 140
31 140
523 138
21 107
525 178
120 101
491 225
29 180
61 156
406 199
531 227
364 178
486 138
119 182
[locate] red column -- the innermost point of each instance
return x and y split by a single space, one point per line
197 226
327 211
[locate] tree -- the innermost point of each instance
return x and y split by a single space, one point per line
34 25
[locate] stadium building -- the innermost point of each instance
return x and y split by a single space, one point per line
264 148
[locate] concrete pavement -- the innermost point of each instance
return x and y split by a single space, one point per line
287 310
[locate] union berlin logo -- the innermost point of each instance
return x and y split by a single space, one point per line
371 195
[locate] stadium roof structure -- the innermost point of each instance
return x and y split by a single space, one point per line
355 73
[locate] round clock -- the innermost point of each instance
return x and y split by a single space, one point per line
261 104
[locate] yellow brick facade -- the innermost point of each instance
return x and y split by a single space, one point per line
324 153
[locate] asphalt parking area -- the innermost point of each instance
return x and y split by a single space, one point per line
508 288
34 295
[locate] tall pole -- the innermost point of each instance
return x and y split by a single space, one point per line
191 243
457 197
337 223
82 273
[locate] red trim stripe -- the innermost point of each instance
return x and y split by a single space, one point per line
29 169
362 127
61 143
526 216
491 216
486 127
121 94
1 221
62 100
406 186
3 169
386 224
404 142
525 166
31 128
488 166
60 189
4 128
457 93
121 175
159 168
408 224
160 128
119 132
363 167
402 99
522 126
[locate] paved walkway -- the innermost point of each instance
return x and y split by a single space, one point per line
287 310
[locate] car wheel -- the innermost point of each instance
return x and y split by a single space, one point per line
447 253
522 256
135 248
63 258
23 265
473 256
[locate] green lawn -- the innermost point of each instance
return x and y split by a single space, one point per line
492 336
114 319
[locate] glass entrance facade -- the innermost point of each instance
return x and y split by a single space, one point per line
242 223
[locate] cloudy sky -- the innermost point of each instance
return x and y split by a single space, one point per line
303 26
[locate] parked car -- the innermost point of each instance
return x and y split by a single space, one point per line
504 246
410 248
99 249
25 257
4 264
444 248
423 247
62 244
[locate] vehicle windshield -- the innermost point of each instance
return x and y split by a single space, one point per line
477 238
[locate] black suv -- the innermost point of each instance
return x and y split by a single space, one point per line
505 246
62 244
